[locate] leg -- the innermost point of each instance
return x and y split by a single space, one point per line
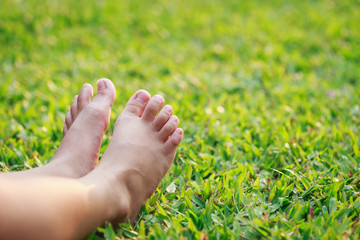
139 155
54 207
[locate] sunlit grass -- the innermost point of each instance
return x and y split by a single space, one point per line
266 91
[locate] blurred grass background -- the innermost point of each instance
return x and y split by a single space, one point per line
266 91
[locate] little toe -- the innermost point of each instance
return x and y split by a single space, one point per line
73 108
84 97
169 127
152 108
162 117
136 104
173 141
65 129
68 120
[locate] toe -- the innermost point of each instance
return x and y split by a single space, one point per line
175 138
73 108
169 127
97 112
65 129
106 93
172 143
137 103
84 97
163 117
152 108
68 120
83 139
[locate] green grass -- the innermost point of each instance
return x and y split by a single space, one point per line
266 91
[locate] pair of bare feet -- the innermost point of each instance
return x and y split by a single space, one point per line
141 150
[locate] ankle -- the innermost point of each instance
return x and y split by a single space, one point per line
135 185
63 167
128 186
110 196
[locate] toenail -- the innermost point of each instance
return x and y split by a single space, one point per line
175 119
101 84
142 96
179 131
168 108
158 98
86 85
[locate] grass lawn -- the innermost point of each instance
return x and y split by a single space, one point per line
267 92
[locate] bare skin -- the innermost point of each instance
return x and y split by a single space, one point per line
141 150
71 159
140 153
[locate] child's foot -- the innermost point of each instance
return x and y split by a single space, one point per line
140 153
84 127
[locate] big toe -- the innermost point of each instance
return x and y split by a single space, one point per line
105 96
136 104
97 113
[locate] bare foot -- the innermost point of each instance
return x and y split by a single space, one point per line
140 153
84 127
86 123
